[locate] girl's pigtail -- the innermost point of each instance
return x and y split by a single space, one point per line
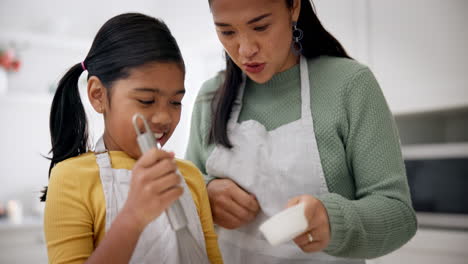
68 124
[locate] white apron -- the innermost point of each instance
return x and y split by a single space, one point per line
275 166
158 242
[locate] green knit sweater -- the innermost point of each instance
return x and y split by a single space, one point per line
369 204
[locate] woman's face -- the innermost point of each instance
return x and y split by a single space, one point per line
154 90
257 34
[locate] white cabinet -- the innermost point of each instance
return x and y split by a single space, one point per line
430 247
416 49
22 243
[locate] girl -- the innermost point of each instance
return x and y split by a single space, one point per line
107 205
294 119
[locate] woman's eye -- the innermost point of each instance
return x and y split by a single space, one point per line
146 102
262 28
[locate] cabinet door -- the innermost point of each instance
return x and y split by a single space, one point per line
417 49
22 246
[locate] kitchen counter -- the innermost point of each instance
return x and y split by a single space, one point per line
22 242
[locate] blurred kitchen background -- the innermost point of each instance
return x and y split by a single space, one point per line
418 50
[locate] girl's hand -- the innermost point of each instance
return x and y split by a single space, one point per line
318 224
232 207
153 188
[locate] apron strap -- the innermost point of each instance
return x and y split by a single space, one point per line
237 105
306 112
102 156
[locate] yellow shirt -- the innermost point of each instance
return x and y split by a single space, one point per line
75 210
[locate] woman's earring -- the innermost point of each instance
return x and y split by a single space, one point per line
297 35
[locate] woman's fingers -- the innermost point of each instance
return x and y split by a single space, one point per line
232 207
314 246
244 199
318 235
226 219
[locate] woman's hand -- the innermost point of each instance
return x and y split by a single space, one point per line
232 207
318 224
154 187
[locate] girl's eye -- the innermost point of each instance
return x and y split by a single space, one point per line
146 102
176 103
262 28
227 33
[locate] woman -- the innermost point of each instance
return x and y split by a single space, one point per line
294 119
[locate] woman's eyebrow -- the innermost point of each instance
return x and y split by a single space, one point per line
253 20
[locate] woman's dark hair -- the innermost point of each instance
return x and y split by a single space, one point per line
316 41
124 42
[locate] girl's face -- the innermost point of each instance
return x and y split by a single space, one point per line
257 34
155 90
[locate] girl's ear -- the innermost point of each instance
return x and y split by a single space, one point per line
97 94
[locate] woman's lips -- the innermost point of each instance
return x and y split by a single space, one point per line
254 67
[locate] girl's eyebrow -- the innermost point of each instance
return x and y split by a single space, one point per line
256 19
156 90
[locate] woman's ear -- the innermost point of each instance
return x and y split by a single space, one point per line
97 94
296 9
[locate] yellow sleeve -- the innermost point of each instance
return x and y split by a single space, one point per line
68 221
195 181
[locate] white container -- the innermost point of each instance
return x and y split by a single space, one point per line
286 225
15 211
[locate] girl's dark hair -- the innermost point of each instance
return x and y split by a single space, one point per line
124 42
316 41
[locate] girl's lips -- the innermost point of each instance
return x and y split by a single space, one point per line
159 137
254 67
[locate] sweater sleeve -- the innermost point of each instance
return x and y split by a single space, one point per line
198 148
380 219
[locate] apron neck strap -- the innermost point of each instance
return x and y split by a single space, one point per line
237 105
305 89
102 156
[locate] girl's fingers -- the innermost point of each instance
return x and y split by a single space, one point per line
166 182
152 156
170 195
161 169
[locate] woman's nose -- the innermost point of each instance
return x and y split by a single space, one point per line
247 47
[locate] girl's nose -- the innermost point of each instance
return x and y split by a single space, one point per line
161 121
